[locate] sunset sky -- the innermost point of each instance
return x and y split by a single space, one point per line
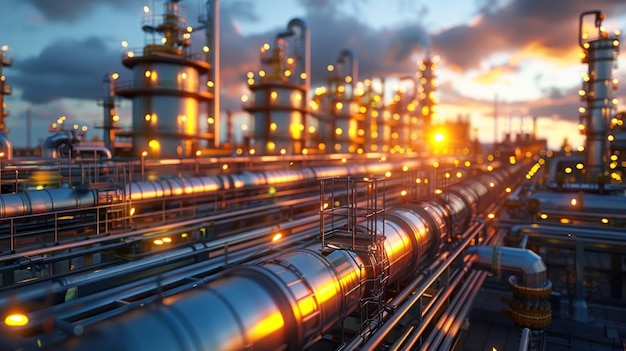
524 51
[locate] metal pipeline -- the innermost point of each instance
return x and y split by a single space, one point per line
61 285
530 306
53 143
415 334
386 328
444 324
430 315
471 288
600 239
298 294
503 258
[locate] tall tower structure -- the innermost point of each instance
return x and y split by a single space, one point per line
427 98
600 53
167 88
279 93
5 89
111 118
338 109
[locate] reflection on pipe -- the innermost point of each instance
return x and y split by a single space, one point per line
529 307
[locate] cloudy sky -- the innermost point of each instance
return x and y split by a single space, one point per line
524 51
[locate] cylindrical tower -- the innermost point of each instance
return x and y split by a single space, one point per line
167 88
340 114
600 54
5 89
279 94
427 98
110 116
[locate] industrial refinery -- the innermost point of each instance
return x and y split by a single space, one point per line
341 221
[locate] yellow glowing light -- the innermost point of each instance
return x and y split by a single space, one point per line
210 120
273 95
491 216
277 236
16 320
184 235
158 242
303 75
273 126
508 190
225 166
146 9
132 211
167 239
330 68
115 118
544 216
338 131
605 220
573 202
267 326
403 193
388 174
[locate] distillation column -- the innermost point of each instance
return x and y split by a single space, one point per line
600 54
5 89
167 88
279 94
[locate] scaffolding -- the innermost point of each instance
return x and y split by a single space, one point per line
351 218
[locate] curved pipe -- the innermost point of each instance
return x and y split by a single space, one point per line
302 57
503 258
52 143
598 23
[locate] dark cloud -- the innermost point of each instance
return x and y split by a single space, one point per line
521 24
72 10
66 69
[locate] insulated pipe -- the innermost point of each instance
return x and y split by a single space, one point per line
53 142
530 306
298 295
497 258
590 236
